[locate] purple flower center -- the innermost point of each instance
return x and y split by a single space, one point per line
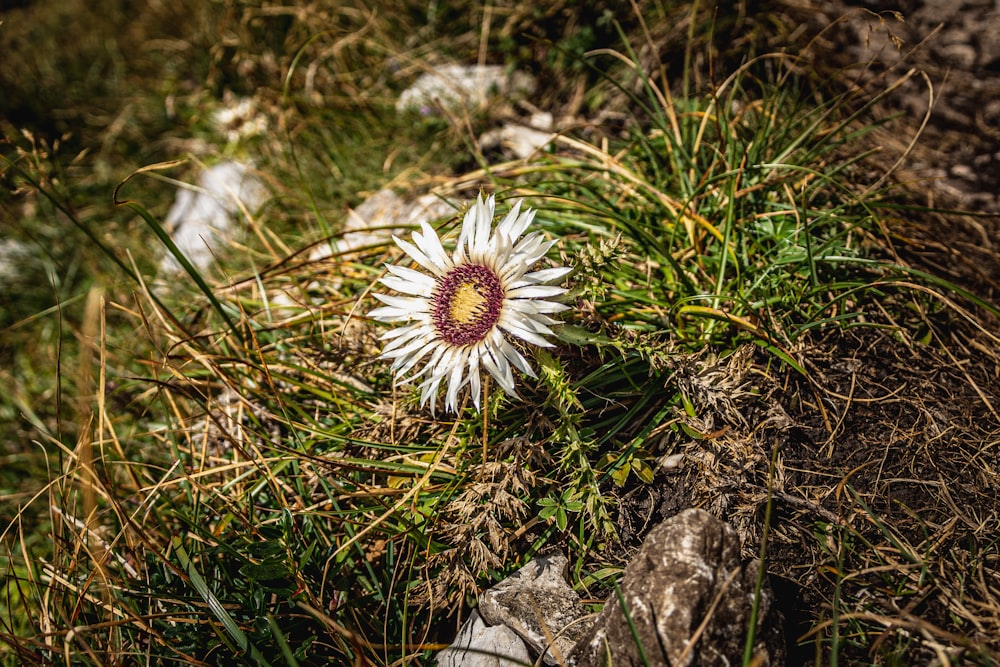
466 304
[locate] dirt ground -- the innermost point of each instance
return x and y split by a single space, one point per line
884 462
955 164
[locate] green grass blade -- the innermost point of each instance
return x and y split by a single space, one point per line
215 606
185 263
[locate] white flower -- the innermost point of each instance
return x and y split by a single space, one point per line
464 311
240 120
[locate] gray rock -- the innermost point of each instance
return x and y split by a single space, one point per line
479 645
538 604
688 598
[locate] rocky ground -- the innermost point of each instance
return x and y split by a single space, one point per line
883 464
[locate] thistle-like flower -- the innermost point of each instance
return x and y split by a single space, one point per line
463 313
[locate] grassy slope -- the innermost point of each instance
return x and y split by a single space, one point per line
262 489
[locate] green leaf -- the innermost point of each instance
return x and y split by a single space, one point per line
781 354
576 335
266 570
547 512
692 432
620 475
688 406
279 637
186 264
642 471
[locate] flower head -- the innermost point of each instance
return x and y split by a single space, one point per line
463 311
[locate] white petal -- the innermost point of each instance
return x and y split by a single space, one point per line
498 366
522 315
419 257
531 249
407 273
390 315
411 304
403 332
475 388
499 248
535 306
416 335
529 244
403 352
424 282
432 384
467 232
526 334
422 289
430 368
427 374
484 221
510 352
511 274
547 275
505 226
430 244
531 323
455 382
416 357
429 390
514 224
535 292
402 335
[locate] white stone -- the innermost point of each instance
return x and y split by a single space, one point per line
520 141
379 217
479 645
200 220
468 86
13 255
238 119
538 604
672 461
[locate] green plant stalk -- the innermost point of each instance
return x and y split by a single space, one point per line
285 99
631 626
279 637
762 560
93 238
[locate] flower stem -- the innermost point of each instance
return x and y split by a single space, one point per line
486 415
